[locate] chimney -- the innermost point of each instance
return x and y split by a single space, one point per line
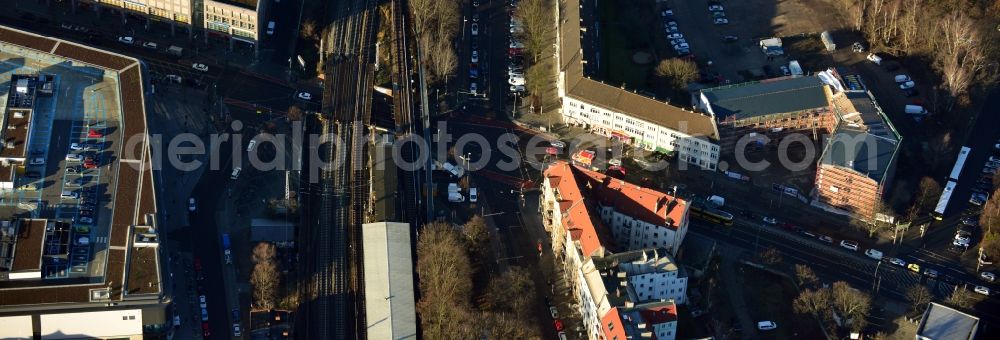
629 304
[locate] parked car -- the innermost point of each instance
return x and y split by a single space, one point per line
236 173
826 239
149 44
766 325
37 161
913 267
730 38
473 88
874 254
988 276
475 56
720 21
982 290
191 204
715 8
304 95
770 220
126 40
907 85
931 273
202 302
200 67
474 28
849 245
73 157
553 312
897 261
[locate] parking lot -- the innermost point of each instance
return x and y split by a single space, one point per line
64 177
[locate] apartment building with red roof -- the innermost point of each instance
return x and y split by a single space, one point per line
617 241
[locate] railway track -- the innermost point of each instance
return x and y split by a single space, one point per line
407 121
335 301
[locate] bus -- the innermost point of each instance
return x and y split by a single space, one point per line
943 201
706 213
957 170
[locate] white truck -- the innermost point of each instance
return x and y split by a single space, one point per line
771 46
454 193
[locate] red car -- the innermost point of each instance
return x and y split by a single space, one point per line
558 324
89 164
95 134
204 330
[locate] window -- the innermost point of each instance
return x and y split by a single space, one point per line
611 327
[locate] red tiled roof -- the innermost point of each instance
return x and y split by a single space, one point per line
629 199
658 315
577 217
612 326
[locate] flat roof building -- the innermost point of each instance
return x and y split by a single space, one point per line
80 280
390 306
941 322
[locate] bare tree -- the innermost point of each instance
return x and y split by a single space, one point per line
812 301
989 222
919 296
310 30
537 19
805 275
676 73
445 280
961 298
265 279
510 292
263 252
478 235
507 326
769 256
851 304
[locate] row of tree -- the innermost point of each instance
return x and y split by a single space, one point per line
837 305
446 263
265 277
958 36
436 23
989 223
537 19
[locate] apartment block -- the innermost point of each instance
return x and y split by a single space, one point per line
173 12
235 20
618 113
616 241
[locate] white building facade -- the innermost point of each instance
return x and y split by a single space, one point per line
697 151
633 233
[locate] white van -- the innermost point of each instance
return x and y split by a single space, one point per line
473 195
236 173
270 28
70 194
915 110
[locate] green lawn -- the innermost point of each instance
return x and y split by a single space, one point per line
619 43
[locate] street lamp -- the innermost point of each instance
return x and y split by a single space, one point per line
513 110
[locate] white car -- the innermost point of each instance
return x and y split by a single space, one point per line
191 205
76 146
849 245
682 46
553 312
988 276
667 13
252 144
517 88
873 254
126 40
475 56
473 88
236 330
236 173
200 67
73 157
907 85
515 81
902 78
149 44
475 29
37 161
770 220
675 36
86 220
982 290
766 325
897 261
304 95
473 195
721 21
715 8
202 302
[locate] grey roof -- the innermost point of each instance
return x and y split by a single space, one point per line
389 301
772 96
263 229
865 140
943 322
